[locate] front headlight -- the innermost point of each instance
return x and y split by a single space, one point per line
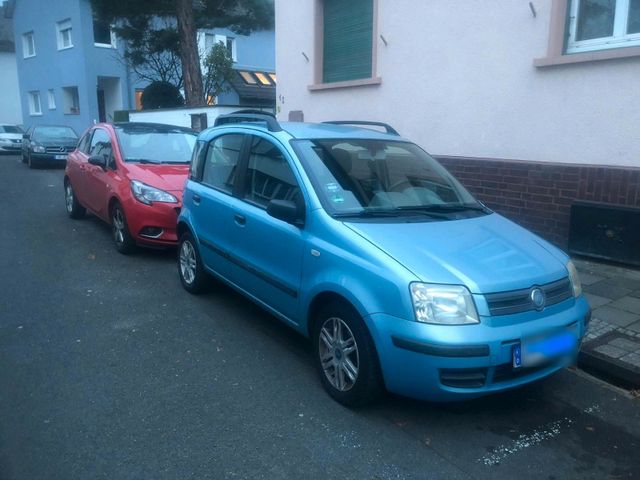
443 304
37 148
148 194
575 279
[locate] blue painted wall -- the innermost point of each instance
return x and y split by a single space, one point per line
54 69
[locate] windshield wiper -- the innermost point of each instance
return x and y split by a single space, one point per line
142 160
367 214
448 207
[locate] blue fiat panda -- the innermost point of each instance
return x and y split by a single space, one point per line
359 239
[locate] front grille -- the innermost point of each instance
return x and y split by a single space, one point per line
518 301
464 378
59 149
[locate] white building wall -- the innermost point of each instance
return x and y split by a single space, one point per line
10 105
458 78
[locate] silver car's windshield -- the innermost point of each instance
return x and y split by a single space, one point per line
357 176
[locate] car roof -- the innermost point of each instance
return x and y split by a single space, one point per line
160 127
313 131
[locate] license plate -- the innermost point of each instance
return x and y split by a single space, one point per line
530 353
61 157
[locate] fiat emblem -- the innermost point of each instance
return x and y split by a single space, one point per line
537 298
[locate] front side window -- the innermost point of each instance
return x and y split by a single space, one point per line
382 178
101 145
28 45
149 144
269 176
347 42
221 162
603 24
64 34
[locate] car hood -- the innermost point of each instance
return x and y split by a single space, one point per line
57 143
487 254
11 136
170 178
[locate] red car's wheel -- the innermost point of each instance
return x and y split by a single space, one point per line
122 239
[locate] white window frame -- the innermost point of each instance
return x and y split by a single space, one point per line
619 38
35 106
112 35
52 99
62 27
71 100
28 43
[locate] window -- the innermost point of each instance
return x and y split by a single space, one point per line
103 36
269 176
221 162
247 77
84 144
64 34
229 42
138 96
34 103
71 100
101 146
347 42
603 24
52 99
28 45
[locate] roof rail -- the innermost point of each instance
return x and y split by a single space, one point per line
386 126
249 115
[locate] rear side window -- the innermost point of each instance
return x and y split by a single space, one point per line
197 160
221 162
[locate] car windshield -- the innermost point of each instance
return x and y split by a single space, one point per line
54 134
10 129
152 145
357 177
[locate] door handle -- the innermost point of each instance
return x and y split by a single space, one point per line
240 220
196 199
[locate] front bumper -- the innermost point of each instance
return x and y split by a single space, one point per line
60 158
447 363
11 148
153 224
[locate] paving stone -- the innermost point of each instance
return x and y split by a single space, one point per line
615 316
611 351
624 282
589 278
596 301
625 344
607 289
635 327
628 304
631 358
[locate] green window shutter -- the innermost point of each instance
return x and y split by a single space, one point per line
348 36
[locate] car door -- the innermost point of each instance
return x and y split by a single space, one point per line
212 203
76 167
96 178
268 250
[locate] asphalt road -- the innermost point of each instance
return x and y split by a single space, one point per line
109 370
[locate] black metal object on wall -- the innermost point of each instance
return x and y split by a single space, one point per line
605 231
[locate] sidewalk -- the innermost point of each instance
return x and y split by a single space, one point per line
612 343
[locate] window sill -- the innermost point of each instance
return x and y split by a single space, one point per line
348 84
65 48
104 45
609 54
35 114
29 56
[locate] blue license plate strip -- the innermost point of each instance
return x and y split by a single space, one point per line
534 352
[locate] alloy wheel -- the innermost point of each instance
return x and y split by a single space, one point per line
118 226
68 196
188 262
338 352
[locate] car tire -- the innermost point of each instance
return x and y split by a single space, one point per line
345 356
192 274
122 238
74 209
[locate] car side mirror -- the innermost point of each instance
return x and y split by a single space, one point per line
287 211
98 160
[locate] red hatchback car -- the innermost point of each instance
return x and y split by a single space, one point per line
131 175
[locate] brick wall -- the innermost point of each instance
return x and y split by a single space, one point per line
539 195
